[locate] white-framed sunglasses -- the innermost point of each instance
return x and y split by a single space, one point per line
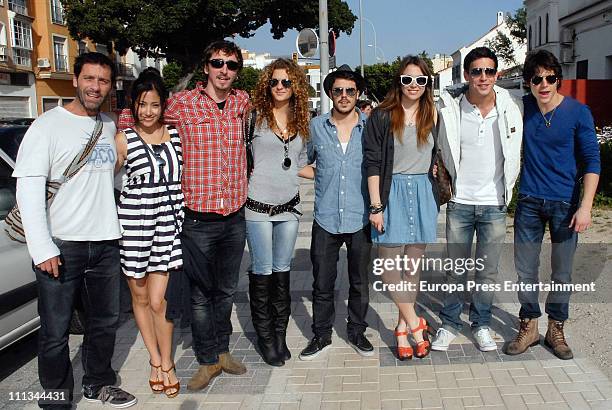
420 80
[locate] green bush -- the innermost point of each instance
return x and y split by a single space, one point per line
604 191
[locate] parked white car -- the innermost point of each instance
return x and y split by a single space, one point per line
18 290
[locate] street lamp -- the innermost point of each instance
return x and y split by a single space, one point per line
376 49
375 41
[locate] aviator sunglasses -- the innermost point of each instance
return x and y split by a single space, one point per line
338 91
420 80
285 82
477 71
550 79
218 63
157 151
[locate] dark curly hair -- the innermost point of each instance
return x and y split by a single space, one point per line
263 103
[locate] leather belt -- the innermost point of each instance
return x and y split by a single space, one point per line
272 210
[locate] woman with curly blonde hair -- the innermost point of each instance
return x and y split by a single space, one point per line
273 204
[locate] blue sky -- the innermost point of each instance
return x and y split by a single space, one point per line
402 27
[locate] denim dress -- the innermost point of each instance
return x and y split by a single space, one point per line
411 214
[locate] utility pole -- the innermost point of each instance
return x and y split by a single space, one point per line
324 52
361 37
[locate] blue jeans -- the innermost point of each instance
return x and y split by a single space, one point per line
89 271
489 224
212 251
532 215
271 245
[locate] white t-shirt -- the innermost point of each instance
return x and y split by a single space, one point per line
480 178
84 207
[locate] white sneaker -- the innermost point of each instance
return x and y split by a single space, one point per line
484 340
443 339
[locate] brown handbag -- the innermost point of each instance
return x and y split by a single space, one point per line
443 179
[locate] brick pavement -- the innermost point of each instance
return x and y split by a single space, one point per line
461 378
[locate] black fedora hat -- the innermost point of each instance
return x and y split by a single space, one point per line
346 72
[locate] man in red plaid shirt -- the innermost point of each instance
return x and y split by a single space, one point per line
209 120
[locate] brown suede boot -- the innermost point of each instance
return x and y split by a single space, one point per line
528 335
231 365
555 339
204 376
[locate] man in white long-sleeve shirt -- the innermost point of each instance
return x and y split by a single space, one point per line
73 243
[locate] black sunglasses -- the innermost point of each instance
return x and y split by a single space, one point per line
338 91
218 63
285 82
477 71
157 150
420 80
550 79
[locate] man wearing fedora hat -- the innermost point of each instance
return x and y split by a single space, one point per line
340 213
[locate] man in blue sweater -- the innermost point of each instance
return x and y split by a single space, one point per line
560 151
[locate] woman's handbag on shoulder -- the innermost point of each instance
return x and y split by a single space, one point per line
14 225
443 179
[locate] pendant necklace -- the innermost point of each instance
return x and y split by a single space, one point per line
285 137
548 121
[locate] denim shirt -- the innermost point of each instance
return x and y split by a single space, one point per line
341 192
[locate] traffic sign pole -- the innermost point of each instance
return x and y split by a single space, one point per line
324 52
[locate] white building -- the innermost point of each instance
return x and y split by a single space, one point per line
442 79
578 32
520 49
259 61
128 69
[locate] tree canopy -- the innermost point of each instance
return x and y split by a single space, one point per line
180 30
501 44
379 77
517 24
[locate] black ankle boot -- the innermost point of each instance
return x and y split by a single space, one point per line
261 313
281 308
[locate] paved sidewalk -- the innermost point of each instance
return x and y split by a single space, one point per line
461 378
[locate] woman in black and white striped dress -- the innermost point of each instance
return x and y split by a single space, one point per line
151 214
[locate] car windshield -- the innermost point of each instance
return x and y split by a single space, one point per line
10 138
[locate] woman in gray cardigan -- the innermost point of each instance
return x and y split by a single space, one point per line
273 204
399 150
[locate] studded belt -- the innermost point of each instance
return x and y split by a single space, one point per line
272 210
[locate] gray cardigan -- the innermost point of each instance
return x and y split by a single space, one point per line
378 142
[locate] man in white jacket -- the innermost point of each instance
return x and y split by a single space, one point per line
480 141
73 242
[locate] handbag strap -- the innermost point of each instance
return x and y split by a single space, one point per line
81 158
249 127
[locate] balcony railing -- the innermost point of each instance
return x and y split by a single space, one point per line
18 7
125 70
61 63
57 15
22 57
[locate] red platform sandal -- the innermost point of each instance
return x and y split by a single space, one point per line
423 348
403 352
